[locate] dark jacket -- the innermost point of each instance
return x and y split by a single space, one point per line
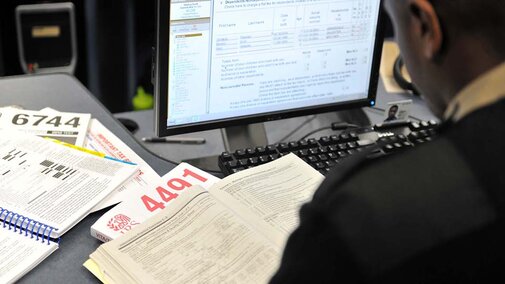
433 214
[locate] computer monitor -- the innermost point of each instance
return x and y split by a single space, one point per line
222 63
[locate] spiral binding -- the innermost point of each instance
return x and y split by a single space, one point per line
15 221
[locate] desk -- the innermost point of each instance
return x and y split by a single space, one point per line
64 93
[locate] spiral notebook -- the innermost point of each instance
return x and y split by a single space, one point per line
22 248
46 189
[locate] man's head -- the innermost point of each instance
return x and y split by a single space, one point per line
448 43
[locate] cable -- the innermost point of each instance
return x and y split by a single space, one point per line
296 129
343 126
315 131
400 78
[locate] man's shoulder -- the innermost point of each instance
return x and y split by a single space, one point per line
392 209
431 165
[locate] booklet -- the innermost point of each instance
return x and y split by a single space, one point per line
234 232
45 189
67 127
148 200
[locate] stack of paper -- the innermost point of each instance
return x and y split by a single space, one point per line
234 232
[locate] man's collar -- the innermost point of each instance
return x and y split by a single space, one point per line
485 90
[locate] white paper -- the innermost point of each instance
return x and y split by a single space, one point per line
272 193
20 253
102 140
197 240
64 126
54 184
142 205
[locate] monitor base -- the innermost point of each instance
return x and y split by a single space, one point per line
237 137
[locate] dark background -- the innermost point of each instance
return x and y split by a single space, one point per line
114 40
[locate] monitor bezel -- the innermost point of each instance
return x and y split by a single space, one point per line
160 82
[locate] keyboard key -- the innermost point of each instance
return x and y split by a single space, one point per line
333 148
264 159
243 162
389 148
225 157
352 145
293 146
424 133
312 142
261 150
230 164
352 151
333 156
342 154
313 151
312 159
322 157
414 126
345 137
271 149
413 136
273 156
253 161
320 166
283 147
250 152
240 154
330 164
303 144
303 153
325 140
334 139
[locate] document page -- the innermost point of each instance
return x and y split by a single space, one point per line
54 184
196 240
19 254
273 192
102 140
63 126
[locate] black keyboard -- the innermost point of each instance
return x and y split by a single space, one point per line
327 151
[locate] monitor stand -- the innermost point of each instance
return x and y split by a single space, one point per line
253 135
236 137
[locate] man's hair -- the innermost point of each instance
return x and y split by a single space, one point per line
483 18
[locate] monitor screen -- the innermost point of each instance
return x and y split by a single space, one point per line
225 62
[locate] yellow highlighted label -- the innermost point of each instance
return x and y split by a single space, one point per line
46 31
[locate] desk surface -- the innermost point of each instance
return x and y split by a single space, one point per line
64 93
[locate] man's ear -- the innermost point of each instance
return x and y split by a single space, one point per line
427 27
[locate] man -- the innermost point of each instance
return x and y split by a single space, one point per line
392 113
435 213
